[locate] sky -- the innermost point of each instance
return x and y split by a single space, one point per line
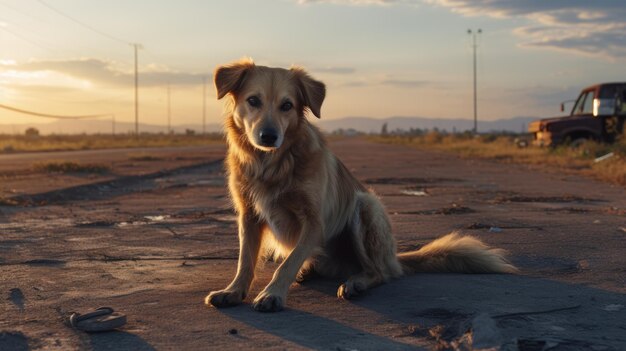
378 58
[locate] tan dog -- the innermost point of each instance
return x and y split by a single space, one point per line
295 199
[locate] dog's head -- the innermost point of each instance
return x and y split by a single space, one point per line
268 102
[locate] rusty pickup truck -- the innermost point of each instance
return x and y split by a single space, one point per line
598 114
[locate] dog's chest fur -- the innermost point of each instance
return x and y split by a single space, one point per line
273 189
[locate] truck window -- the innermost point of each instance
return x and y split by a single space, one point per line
578 106
587 107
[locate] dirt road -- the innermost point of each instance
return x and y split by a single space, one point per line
154 235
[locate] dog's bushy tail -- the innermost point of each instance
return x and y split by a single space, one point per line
456 254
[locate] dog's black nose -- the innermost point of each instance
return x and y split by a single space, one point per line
268 136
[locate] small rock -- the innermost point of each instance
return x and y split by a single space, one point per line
613 307
485 332
232 331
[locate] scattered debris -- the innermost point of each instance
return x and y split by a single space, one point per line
604 157
613 307
414 192
100 320
159 218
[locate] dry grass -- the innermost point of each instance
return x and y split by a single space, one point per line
10 143
504 149
70 167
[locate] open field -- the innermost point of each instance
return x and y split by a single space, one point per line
22 143
152 235
581 160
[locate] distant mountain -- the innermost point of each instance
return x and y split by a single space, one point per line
361 124
101 126
368 124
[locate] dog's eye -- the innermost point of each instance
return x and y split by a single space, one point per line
286 106
254 101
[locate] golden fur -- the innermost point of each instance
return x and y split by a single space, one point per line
295 199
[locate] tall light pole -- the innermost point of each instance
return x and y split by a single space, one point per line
136 47
474 45
169 110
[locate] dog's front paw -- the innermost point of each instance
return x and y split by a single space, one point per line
267 302
224 298
350 290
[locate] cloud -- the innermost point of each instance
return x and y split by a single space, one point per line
334 70
95 71
405 83
390 82
349 2
594 28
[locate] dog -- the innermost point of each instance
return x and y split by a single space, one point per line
297 201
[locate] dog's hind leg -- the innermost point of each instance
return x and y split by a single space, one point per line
249 246
307 272
374 246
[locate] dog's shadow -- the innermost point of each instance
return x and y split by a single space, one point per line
311 331
523 310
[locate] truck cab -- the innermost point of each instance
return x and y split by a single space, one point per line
598 114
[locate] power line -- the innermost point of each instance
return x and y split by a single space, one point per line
19 36
135 46
83 24
52 116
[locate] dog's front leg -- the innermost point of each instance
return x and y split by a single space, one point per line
249 245
273 297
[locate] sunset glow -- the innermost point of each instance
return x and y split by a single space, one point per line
378 58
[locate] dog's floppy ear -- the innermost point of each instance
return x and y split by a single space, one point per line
312 91
229 78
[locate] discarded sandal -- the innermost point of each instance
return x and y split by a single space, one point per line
100 320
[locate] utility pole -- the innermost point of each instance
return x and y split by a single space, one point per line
474 45
136 47
169 110
203 105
